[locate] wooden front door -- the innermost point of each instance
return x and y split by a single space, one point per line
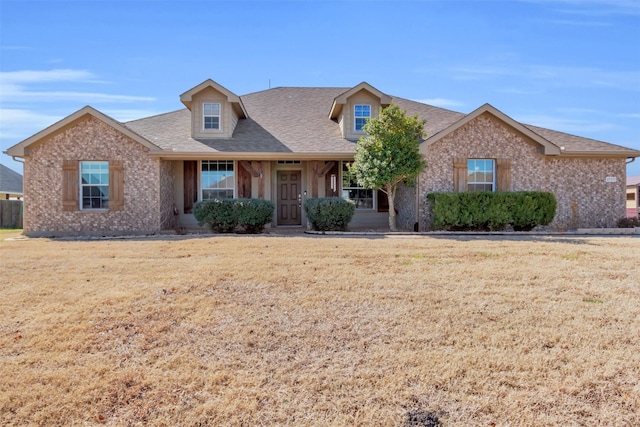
289 198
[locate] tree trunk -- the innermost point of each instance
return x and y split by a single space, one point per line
391 195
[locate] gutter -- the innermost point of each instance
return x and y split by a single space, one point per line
609 154
234 155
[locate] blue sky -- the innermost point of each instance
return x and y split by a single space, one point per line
569 65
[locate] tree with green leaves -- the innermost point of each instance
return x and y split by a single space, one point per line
390 154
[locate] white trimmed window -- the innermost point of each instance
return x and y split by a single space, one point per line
361 113
362 197
94 185
211 116
217 179
481 175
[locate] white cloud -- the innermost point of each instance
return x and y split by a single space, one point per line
563 76
515 91
578 23
33 76
594 7
18 93
441 102
17 123
16 87
24 94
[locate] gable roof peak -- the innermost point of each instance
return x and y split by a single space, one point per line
18 150
187 97
548 147
341 99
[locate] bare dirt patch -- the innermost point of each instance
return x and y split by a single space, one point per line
241 330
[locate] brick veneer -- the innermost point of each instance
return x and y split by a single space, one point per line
91 139
584 197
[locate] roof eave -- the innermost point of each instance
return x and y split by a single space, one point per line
270 156
621 154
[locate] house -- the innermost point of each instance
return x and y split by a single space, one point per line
89 174
10 184
633 196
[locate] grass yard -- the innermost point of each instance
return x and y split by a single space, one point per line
320 331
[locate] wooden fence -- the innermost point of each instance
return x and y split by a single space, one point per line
10 213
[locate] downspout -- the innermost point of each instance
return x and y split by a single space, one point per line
22 161
630 160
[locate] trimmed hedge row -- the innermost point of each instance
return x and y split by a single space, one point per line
487 211
329 213
629 222
224 215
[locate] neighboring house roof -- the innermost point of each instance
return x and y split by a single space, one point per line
633 180
10 181
19 149
295 122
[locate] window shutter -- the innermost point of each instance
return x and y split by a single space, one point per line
503 171
190 176
70 188
459 175
116 185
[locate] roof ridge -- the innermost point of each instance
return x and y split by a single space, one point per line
293 87
393 97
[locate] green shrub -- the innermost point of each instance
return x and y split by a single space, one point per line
531 208
329 213
219 214
254 214
487 211
224 215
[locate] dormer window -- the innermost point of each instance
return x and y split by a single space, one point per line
211 116
362 113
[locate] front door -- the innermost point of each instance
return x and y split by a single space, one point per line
289 198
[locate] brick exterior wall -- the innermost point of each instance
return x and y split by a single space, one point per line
585 199
90 139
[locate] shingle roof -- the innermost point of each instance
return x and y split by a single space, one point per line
633 180
10 181
296 120
578 144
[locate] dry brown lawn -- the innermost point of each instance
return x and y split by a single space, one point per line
299 330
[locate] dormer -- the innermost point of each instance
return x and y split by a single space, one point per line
215 111
352 108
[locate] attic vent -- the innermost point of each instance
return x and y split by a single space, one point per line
289 162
